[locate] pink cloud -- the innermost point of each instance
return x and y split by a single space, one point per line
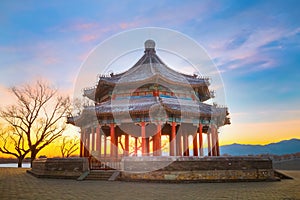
85 26
76 26
127 25
51 60
97 32
248 52
88 38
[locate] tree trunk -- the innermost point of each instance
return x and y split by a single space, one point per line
32 157
20 160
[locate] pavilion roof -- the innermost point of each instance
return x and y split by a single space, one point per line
149 67
145 104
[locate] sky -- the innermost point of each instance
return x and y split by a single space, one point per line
254 44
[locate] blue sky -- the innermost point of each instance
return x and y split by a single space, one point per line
255 45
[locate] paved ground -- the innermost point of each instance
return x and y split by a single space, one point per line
17 184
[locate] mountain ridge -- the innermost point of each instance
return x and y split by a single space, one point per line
278 148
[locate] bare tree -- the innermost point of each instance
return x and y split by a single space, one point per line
131 145
13 144
132 150
79 104
69 146
37 114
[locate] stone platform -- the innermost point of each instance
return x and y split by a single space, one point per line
67 168
195 169
165 169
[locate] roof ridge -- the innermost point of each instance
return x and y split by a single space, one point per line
135 66
151 66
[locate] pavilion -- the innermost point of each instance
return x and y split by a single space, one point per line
150 110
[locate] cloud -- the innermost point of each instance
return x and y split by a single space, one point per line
84 26
237 41
247 50
74 26
296 31
128 25
89 37
51 60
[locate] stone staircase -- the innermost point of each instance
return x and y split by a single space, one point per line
100 175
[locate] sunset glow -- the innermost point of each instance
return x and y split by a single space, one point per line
257 53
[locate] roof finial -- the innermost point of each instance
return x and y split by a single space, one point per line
149 44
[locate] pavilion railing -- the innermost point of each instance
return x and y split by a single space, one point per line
104 163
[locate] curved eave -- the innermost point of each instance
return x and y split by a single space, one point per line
153 79
189 108
87 116
90 93
105 87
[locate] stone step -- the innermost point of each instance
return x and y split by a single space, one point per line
281 175
99 175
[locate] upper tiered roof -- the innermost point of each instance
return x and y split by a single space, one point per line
149 69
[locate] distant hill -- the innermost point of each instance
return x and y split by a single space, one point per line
280 148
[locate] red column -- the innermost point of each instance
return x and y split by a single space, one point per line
158 139
116 146
217 144
212 142
88 144
98 140
147 146
93 138
126 144
170 146
213 135
200 140
173 139
113 146
81 143
143 133
208 144
195 145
